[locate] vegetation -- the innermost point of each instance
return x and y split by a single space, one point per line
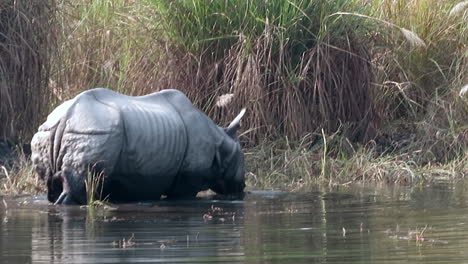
94 188
296 67
26 45
20 178
296 166
336 91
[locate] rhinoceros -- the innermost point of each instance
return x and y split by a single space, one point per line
143 146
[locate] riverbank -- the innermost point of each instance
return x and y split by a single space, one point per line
298 166
280 165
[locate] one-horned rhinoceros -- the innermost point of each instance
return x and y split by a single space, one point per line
144 147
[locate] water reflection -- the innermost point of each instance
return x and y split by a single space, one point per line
426 224
172 230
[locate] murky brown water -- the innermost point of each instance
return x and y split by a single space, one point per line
347 225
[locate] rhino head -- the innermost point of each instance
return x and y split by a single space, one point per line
230 161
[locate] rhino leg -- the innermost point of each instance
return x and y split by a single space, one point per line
181 189
54 186
67 199
83 155
73 191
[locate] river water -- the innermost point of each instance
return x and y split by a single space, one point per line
423 224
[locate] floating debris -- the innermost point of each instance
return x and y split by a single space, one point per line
414 235
218 213
99 204
207 216
113 219
161 243
216 209
124 243
167 241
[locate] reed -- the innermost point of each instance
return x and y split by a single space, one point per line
411 78
110 44
420 85
26 45
94 184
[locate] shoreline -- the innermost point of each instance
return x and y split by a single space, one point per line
286 166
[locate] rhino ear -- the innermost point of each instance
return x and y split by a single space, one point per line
231 130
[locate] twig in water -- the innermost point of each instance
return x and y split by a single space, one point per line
125 243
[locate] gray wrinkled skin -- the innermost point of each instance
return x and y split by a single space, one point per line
144 147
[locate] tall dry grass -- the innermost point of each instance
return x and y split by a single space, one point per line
295 69
297 65
409 78
114 44
26 46
420 85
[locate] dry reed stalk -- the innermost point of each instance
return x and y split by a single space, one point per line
26 44
108 44
463 90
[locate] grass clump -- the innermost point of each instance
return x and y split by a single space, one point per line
20 177
96 196
94 188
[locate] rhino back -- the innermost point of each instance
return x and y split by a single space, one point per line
154 134
155 140
152 146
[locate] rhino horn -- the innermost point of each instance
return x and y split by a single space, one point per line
62 197
231 130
